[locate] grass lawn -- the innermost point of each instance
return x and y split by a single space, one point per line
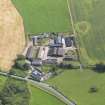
44 16
2 82
76 85
89 22
38 97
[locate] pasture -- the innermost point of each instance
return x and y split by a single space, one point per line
88 16
39 97
76 86
44 16
2 82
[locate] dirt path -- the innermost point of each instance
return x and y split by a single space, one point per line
74 32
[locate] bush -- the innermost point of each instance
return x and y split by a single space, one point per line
15 92
99 67
65 66
21 57
93 89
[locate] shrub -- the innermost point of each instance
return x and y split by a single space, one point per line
93 89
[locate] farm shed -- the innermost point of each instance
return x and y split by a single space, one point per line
35 40
55 45
50 61
36 62
59 40
69 41
60 52
30 52
56 52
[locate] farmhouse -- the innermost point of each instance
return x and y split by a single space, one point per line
37 75
58 41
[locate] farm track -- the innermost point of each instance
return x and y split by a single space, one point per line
74 32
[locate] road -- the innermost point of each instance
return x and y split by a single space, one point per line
43 86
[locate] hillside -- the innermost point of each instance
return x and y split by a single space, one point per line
12 37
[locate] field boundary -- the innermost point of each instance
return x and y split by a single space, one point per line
75 34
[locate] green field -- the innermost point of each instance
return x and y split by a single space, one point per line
38 97
89 23
76 85
44 16
2 82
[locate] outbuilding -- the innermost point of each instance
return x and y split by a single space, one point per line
37 75
30 52
36 62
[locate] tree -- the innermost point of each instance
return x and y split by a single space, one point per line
1 102
21 57
54 70
20 64
15 92
100 67
93 89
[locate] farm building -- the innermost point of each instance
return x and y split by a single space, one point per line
34 40
70 58
43 52
56 52
50 61
36 62
56 45
37 75
30 52
59 40
69 41
60 52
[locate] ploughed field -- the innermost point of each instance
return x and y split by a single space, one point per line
44 16
89 23
12 37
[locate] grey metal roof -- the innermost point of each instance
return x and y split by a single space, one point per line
29 54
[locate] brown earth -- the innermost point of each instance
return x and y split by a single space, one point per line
12 36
